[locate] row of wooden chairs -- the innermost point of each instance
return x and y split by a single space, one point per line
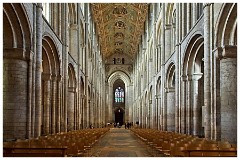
183 145
73 143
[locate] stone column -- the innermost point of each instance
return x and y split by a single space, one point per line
188 17
64 25
177 74
184 20
156 119
183 104
228 92
83 113
79 101
168 41
179 25
15 93
158 57
55 17
196 105
60 18
70 108
163 74
189 105
159 116
29 111
58 105
46 103
33 73
170 114
194 13
145 114
38 72
87 73
207 71
54 104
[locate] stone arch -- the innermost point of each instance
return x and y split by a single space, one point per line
159 42
50 85
226 72
170 76
170 30
119 117
170 89
127 81
16 27
16 52
190 62
193 70
71 99
73 31
226 25
72 81
51 56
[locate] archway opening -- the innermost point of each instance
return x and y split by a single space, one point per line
119 116
119 101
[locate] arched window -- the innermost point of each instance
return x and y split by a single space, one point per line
119 95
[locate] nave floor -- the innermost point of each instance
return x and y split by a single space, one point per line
120 142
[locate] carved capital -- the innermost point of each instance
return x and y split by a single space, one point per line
184 78
74 26
72 89
189 77
59 78
227 51
15 53
46 76
168 26
197 76
168 90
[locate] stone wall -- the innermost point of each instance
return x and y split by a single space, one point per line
228 94
15 79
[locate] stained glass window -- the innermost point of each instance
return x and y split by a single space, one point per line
119 95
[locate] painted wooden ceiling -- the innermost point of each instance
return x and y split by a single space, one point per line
119 26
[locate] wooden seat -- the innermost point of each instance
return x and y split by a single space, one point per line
228 152
35 152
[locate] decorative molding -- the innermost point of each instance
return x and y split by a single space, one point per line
119 26
227 51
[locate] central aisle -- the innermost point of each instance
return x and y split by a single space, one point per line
120 142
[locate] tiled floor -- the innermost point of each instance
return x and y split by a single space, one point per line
120 142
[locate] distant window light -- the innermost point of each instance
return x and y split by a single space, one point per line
119 95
